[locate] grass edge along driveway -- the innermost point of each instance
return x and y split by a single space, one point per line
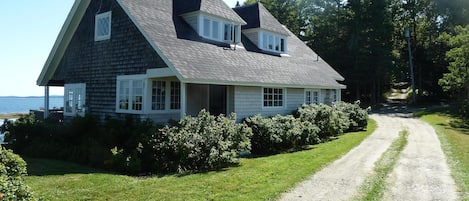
263 178
454 142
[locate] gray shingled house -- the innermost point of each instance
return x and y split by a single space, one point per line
163 59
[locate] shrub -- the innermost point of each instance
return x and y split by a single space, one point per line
279 133
204 142
464 110
358 117
12 171
329 121
334 120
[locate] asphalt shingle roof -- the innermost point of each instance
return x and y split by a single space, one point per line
214 7
199 60
257 16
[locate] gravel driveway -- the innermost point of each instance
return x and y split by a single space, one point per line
421 173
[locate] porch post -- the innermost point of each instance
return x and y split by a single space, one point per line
46 102
183 100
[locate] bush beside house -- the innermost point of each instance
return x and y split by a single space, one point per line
200 143
12 172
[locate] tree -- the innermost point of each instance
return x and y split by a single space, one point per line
457 79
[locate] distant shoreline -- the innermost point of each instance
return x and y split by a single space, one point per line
11 116
51 96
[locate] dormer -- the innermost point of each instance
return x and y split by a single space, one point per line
263 29
211 19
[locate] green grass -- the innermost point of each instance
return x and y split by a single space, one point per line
263 178
375 185
454 138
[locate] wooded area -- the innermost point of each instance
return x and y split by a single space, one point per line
364 41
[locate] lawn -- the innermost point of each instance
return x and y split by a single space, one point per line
454 136
263 178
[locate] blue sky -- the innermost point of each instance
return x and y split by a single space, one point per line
28 29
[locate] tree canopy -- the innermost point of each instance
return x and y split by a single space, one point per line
364 41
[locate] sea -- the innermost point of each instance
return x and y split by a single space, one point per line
14 104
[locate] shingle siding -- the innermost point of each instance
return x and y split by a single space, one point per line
98 63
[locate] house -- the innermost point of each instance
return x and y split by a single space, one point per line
164 59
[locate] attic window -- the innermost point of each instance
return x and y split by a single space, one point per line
102 26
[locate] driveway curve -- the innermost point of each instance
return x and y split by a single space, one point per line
421 172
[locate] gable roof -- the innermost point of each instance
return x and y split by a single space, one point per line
257 16
197 60
213 7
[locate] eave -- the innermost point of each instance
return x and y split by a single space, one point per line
63 40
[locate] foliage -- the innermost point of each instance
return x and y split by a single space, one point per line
357 117
199 143
262 178
341 117
364 40
457 78
12 173
273 135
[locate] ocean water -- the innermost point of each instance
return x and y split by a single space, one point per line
24 104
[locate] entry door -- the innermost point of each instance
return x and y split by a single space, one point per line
217 104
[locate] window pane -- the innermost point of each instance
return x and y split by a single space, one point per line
206 27
124 95
271 42
137 98
282 45
277 43
308 97
228 32
265 41
158 95
175 95
69 102
103 26
215 29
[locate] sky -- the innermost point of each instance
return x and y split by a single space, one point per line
28 30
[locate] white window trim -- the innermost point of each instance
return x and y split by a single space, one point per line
274 36
235 32
74 87
312 91
132 78
98 17
167 108
284 98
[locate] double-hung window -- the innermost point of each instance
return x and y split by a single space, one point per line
74 98
102 27
273 97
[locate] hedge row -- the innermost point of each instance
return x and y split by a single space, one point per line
200 143
309 124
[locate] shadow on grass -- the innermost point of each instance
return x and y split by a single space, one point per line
46 167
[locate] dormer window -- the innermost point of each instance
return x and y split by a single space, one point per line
102 27
273 42
220 30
